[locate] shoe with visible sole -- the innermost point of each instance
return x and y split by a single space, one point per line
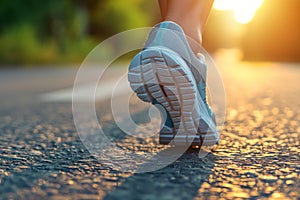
163 73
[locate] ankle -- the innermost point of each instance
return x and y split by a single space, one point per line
194 38
192 30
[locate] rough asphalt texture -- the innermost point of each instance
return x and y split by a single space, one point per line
259 156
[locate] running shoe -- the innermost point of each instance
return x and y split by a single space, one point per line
169 75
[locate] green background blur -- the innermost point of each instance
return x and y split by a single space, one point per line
35 32
64 31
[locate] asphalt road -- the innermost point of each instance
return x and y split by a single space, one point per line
258 157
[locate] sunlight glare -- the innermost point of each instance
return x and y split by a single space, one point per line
244 10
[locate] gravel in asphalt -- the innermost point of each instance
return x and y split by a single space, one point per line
258 157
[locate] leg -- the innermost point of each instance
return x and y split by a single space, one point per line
191 15
163 5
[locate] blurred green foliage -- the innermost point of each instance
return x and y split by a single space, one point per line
64 31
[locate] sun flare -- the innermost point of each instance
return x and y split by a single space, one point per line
244 10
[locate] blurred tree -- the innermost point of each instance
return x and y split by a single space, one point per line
65 30
110 17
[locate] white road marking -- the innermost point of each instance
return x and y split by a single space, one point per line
104 91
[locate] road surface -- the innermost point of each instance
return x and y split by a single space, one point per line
42 156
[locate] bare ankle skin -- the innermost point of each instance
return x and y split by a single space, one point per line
191 15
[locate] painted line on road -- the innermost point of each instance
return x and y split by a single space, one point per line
103 91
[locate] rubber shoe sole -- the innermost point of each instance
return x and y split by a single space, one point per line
161 76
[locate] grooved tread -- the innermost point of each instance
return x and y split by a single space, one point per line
155 74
